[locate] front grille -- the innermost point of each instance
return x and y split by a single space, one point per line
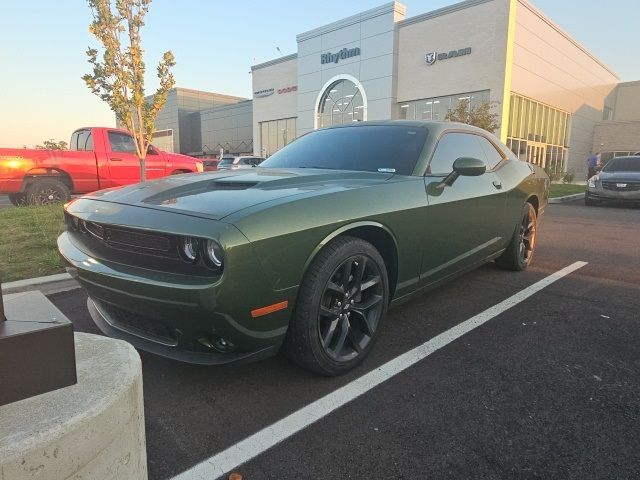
131 240
138 325
134 247
628 186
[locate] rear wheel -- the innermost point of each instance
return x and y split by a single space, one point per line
342 301
47 191
519 253
17 199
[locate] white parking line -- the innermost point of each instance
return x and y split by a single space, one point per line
270 436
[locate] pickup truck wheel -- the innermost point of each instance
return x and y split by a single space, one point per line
47 191
18 199
341 304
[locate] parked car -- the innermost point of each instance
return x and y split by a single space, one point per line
619 181
235 163
307 251
210 164
97 158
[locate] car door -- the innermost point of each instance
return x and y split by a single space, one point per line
124 165
462 219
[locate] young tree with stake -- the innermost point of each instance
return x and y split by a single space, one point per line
118 76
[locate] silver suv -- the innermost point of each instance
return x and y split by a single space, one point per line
234 163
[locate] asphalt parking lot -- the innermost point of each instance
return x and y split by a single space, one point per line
4 201
550 388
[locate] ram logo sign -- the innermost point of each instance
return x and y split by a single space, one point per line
431 57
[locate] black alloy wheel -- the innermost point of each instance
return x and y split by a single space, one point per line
341 303
519 252
350 308
527 235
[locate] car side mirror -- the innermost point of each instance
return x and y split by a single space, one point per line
151 150
465 167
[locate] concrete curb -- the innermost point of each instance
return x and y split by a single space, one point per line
50 284
567 198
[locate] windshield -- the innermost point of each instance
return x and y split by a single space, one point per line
623 164
226 161
368 148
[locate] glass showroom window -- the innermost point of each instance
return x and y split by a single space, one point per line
538 133
341 103
436 108
275 134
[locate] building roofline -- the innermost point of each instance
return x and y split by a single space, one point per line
631 83
441 11
275 61
552 24
353 19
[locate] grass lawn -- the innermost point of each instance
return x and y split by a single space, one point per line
562 189
28 242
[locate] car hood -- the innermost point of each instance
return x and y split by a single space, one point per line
219 194
620 176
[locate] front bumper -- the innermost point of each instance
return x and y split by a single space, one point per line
601 194
181 316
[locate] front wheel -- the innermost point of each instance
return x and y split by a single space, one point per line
519 253
342 301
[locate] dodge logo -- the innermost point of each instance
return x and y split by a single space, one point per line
621 185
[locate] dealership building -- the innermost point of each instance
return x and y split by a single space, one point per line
555 101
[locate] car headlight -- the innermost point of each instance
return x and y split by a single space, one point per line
188 248
213 254
592 181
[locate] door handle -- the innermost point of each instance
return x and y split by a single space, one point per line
115 159
497 184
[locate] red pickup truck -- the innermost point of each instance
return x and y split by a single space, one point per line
97 158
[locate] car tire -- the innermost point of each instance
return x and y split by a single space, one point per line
18 199
47 191
336 320
589 202
520 251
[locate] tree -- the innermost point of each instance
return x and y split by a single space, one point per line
479 115
51 144
118 76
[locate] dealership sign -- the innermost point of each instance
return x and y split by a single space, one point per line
263 93
292 88
431 57
341 55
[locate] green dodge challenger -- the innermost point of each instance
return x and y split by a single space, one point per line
306 252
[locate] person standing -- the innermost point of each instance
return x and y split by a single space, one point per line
592 162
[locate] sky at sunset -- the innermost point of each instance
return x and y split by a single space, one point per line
43 45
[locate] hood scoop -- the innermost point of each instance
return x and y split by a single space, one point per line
222 185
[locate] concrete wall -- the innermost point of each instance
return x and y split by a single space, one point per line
550 67
627 104
481 25
228 127
616 136
279 75
373 32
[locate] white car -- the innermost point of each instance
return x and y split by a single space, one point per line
235 163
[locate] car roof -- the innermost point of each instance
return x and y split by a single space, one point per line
433 126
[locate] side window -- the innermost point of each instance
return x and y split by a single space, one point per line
121 142
452 146
493 156
73 144
88 144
